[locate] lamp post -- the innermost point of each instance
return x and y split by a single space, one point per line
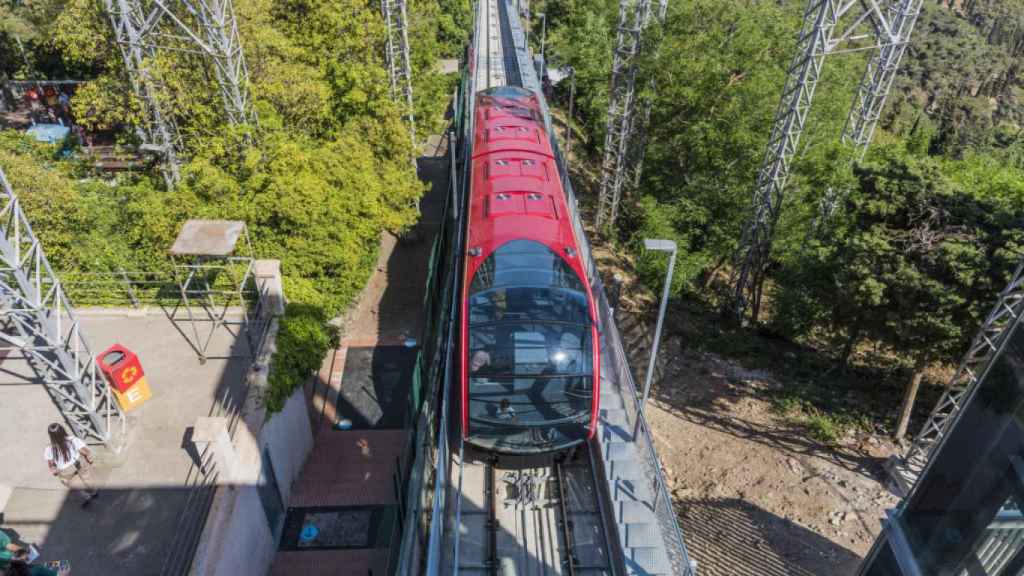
543 35
661 246
568 125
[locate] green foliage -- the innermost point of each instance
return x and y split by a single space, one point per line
963 70
454 23
710 121
915 262
303 338
582 38
323 174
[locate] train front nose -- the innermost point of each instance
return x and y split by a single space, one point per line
528 353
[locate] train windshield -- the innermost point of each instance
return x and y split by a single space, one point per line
530 351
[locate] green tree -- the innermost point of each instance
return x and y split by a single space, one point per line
914 266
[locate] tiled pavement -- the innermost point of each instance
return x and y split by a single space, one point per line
349 562
346 468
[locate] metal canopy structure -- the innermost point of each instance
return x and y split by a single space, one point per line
37 319
1009 306
397 56
213 266
830 27
206 27
625 137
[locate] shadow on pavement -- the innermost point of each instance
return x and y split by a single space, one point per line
125 531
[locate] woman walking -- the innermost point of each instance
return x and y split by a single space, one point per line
69 458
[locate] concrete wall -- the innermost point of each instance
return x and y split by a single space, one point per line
237 539
289 438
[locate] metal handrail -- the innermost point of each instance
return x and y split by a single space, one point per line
441 483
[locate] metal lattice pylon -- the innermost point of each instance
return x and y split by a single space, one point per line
158 133
397 56
208 27
633 18
830 26
1009 307
637 147
873 90
37 320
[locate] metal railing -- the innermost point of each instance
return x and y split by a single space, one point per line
1002 539
201 485
668 522
201 482
134 289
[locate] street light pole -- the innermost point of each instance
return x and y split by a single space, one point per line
568 122
543 35
661 246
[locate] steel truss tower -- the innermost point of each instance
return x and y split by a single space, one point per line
397 56
638 145
830 26
625 137
37 320
207 27
1009 306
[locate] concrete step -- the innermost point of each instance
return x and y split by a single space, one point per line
647 561
618 451
639 535
631 512
614 417
622 469
633 490
616 434
611 402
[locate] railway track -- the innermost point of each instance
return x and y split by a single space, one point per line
530 516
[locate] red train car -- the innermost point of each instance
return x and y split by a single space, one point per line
530 349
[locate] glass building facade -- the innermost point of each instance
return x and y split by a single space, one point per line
963 518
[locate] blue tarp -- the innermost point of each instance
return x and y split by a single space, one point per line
49 133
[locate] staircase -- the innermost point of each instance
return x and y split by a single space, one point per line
632 491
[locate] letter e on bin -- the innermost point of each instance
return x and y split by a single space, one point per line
124 372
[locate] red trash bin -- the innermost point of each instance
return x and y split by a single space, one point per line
124 372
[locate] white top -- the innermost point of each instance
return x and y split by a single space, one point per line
51 454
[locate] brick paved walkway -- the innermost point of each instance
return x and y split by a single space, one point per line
355 467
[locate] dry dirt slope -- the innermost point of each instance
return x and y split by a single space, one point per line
755 493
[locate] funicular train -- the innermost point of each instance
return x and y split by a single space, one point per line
530 364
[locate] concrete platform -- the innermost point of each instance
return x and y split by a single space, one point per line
130 528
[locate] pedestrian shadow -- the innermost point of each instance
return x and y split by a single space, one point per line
731 537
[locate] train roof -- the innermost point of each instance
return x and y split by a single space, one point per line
516 191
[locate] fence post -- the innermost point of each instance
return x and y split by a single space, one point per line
128 287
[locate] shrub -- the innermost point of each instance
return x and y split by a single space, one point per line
302 340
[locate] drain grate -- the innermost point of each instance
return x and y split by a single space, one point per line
337 527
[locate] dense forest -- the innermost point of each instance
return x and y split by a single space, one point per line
324 172
932 225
